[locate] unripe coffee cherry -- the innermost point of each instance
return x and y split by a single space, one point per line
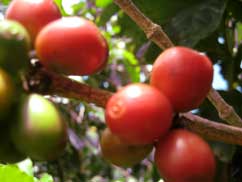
119 152
14 47
40 132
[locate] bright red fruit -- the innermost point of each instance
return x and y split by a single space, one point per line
183 156
184 76
138 114
72 46
33 14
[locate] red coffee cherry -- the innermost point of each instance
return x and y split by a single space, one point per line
33 14
183 156
139 114
72 46
184 76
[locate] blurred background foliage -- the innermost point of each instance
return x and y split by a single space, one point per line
210 26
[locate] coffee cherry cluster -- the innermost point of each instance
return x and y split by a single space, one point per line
67 45
70 46
142 114
138 116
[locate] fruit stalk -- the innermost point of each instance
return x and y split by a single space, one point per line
225 111
155 33
43 81
46 82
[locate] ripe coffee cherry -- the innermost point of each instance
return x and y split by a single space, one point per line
33 14
119 152
184 156
184 76
138 114
40 132
72 46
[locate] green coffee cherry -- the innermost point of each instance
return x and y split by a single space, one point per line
14 46
40 132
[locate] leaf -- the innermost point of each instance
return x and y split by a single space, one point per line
132 66
239 30
26 166
61 8
46 178
224 152
196 22
11 173
103 3
5 2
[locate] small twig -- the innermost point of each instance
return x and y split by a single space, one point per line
210 129
226 112
155 33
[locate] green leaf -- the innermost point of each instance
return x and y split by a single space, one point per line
5 2
224 152
239 30
61 8
196 22
103 3
132 66
11 173
46 178
26 166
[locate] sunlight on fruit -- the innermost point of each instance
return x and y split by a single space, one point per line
73 22
134 92
35 1
36 104
161 180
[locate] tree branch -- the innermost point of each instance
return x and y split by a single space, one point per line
225 111
42 81
153 31
46 82
158 36
210 129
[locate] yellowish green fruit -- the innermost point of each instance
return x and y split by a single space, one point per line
14 46
6 92
40 132
120 153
